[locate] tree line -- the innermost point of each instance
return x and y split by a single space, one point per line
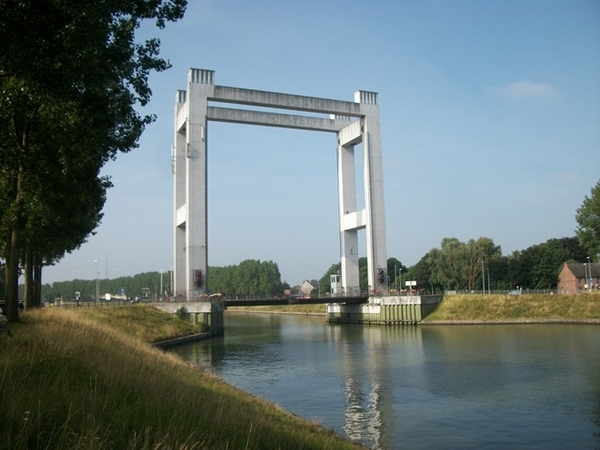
72 80
250 278
455 265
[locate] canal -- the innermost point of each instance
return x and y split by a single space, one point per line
524 386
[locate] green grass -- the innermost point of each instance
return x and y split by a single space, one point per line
89 379
530 307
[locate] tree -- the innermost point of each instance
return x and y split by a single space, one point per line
538 266
485 255
325 281
448 264
395 269
249 278
422 272
71 76
457 265
588 220
1 280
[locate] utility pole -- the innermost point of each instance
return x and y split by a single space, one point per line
97 286
589 279
483 276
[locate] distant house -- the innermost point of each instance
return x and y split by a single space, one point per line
575 277
306 288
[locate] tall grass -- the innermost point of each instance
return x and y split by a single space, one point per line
88 379
525 307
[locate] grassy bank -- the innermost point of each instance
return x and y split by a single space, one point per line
525 307
88 379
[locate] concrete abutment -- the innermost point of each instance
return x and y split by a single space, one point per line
385 310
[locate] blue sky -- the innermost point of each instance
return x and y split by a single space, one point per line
490 122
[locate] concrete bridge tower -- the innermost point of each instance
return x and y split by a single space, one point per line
365 130
353 123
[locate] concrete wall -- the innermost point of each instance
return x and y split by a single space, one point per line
208 313
384 310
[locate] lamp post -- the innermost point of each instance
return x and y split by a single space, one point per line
483 276
400 281
97 287
589 280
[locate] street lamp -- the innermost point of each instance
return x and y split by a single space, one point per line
483 277
97 287
400 281
589 280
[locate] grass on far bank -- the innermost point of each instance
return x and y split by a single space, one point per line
524 307
88 379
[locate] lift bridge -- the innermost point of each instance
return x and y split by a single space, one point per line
350 309
352 123
292 300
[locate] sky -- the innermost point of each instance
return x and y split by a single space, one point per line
490 126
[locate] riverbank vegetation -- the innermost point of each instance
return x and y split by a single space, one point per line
525 307
88 379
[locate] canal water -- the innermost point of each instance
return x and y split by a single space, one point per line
419 387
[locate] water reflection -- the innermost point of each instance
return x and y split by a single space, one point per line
526 386
368 360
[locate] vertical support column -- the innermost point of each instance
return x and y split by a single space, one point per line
191 215
374 200
347 206
180 198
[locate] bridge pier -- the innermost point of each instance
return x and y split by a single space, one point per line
209 313
386 310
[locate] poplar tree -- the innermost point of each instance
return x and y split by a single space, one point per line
71 78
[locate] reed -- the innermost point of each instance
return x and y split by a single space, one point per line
89 379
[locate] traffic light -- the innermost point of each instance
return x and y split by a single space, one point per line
380 276
199 281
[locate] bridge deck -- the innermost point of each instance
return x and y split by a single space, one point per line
295 301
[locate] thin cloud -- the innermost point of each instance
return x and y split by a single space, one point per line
526 89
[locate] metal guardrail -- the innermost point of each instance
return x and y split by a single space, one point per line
100 304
